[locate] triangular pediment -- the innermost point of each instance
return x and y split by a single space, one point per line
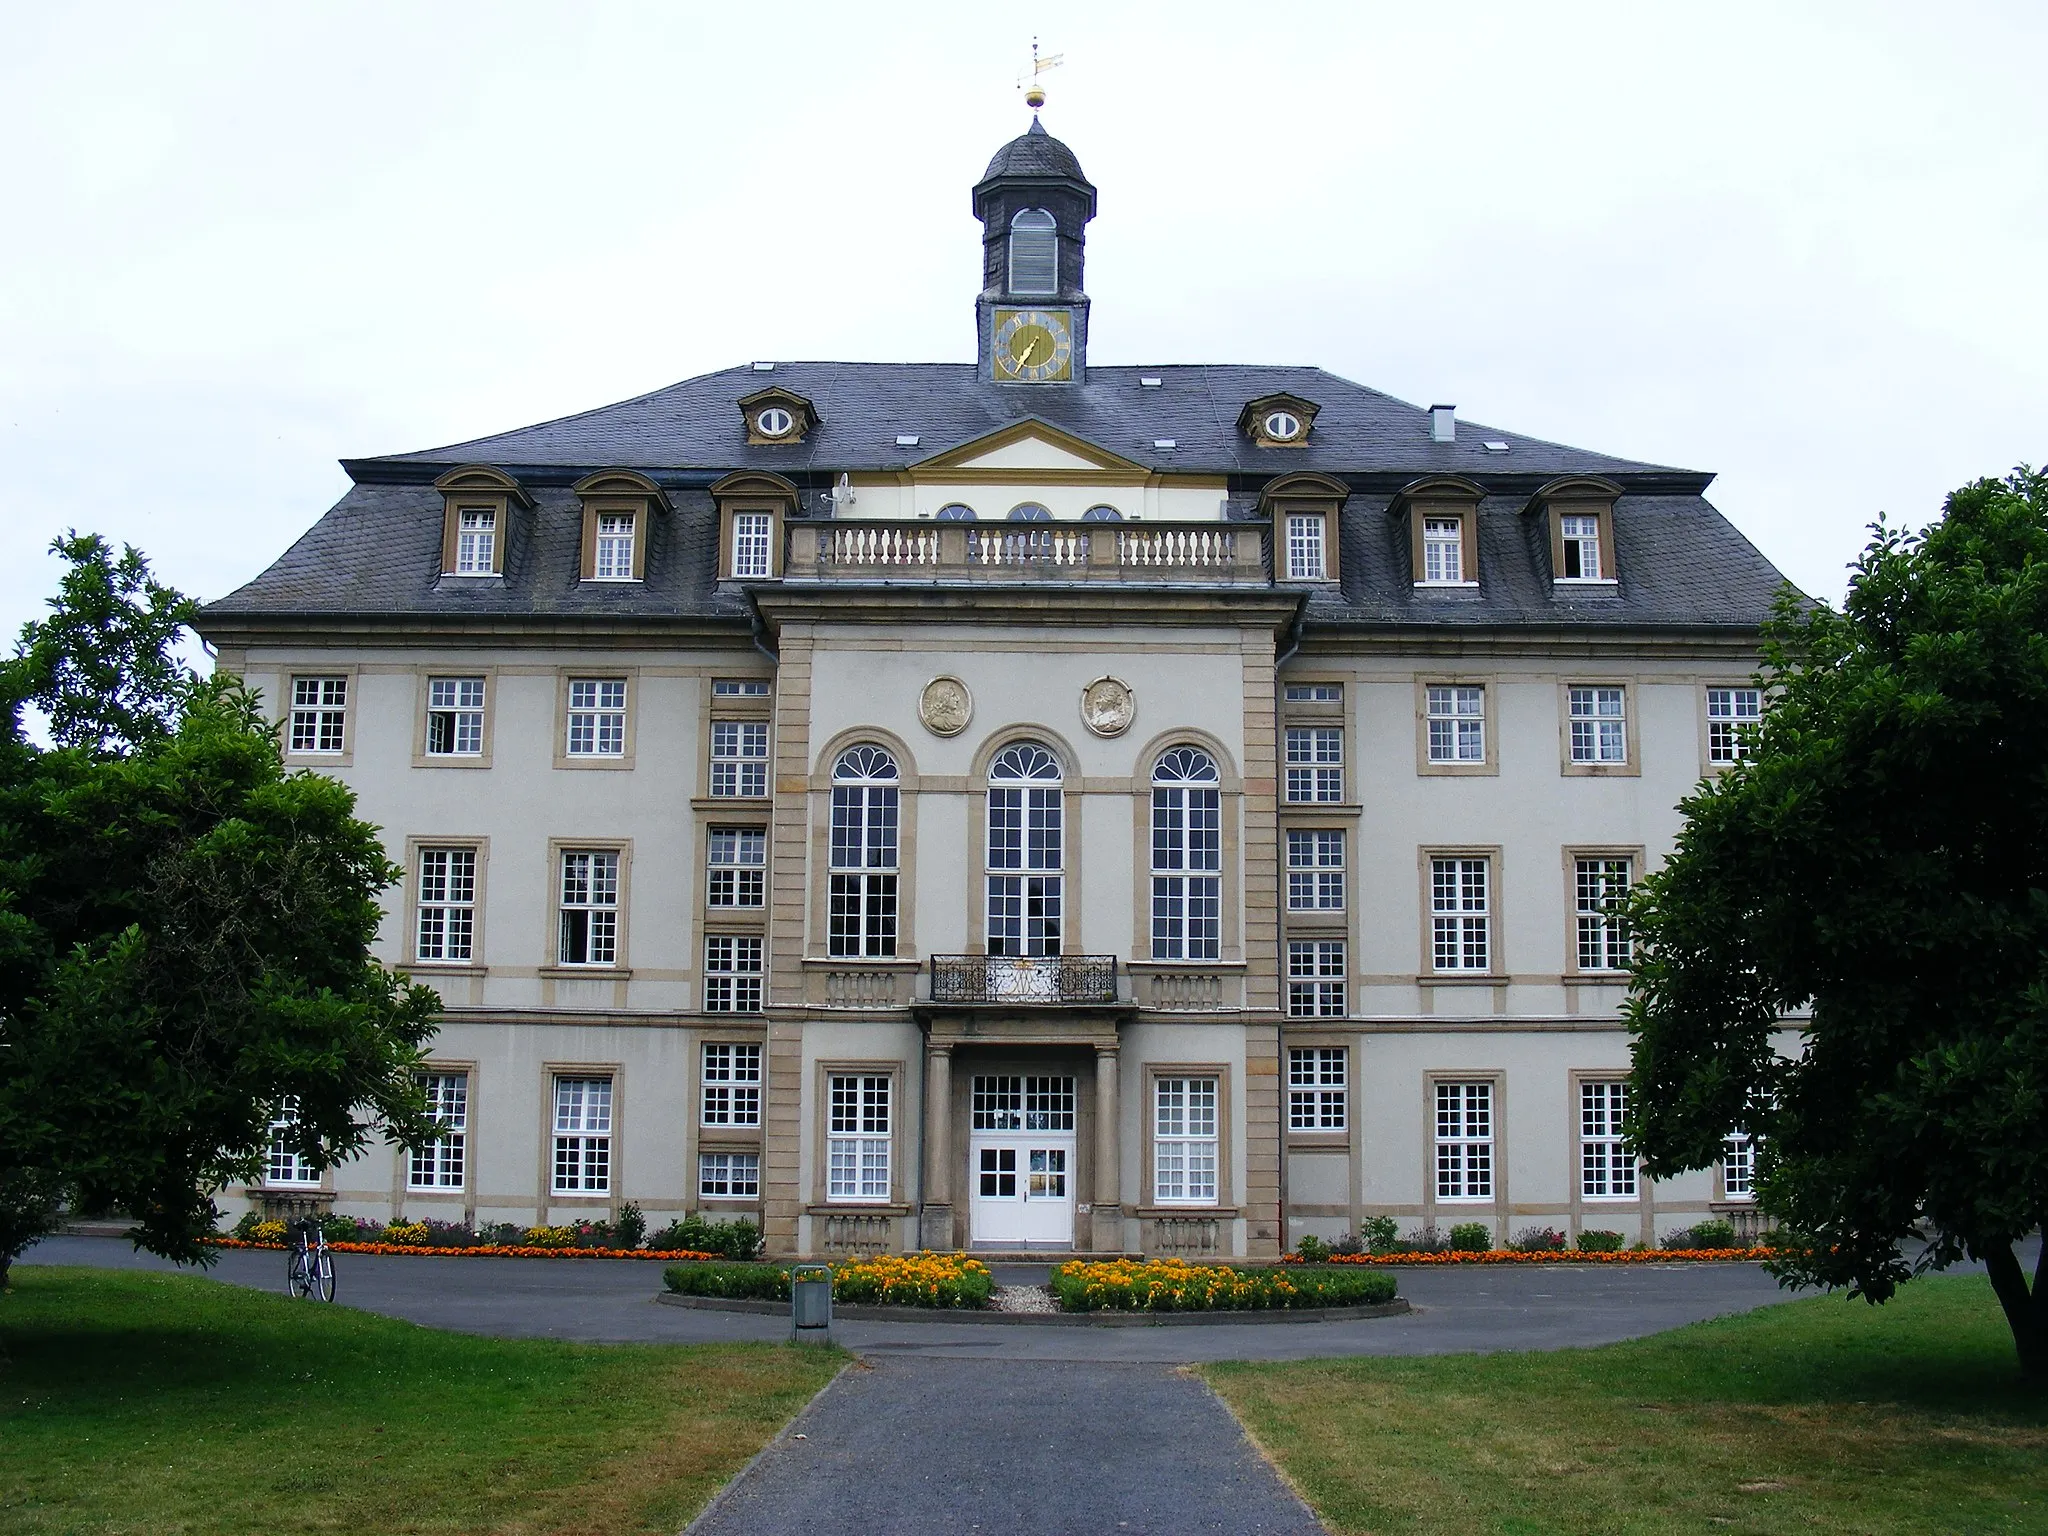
1029 446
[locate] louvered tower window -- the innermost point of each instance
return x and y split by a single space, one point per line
1034 252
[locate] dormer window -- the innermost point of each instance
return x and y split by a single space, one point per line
774 422
1304 510
618 510
1581 537
1442 513
1278 421
1443 549
1580 512
752 506
615 541
476 541
1283 426
476 519
752 533
776 417
1034 253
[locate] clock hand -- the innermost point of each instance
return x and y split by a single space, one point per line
1030 356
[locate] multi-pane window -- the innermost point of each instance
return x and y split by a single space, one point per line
476 541
1731 714
739 759
1314 693
857 1137
1581 548
1006 1102
1315 869
739 688
732 1084
1315 979
1184 1140
1187 857
1315 764
1599 721
1459 914
613 556
1464 1141
1443 549
455 716
1026 852
439 1164
583 1136
1605 1167
597 717
728 1175
1315 1088
1738 1167
282 1163
751 534
861 898
1457 723
1305 548
447 904
1601 894
732 973
590 907
738 867
319 714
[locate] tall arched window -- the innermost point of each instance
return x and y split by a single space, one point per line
1187 857
861 920
1034 252
1026 852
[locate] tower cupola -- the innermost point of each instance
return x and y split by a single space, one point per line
1032 316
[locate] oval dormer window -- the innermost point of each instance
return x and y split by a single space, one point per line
775 422
1283 426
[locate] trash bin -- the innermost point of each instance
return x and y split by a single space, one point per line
810 1302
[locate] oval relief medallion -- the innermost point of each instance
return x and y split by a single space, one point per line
945 706
1108 707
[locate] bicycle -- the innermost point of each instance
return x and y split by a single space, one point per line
309 1267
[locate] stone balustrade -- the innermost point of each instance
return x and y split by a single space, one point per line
1233 554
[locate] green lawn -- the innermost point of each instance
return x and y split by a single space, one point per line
1820 1415
166 1403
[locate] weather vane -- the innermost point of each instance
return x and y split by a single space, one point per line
1034 93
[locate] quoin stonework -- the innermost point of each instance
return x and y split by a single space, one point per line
1029 804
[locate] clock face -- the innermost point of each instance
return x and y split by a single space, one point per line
1034 346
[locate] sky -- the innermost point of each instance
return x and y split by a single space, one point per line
1799 245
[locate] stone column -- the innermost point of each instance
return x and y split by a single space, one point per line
935 1219
1107 1221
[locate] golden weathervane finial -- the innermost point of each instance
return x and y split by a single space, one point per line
1034 93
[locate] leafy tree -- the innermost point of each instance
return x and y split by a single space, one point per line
184 932
1881 859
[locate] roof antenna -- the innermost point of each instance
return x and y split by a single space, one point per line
1034 93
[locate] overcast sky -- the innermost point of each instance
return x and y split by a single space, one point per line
1802 246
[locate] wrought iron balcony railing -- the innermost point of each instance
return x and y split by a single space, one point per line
1031 979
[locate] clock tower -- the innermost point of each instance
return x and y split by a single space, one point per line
1031 320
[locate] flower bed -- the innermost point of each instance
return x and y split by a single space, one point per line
688 1239
945 1280
1550 1256
494 1251
1173 1285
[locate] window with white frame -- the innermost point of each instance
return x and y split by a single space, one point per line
1026 852
319 714
1315 979
731 1083
1305 547
1738 1167
1314 693
1457 723
613 557
1600 887
447 905
861 897
1012 1102
739 759
441 1163
739 688
1184 1140
752 534
597 717
857 1138
1581 548
1732 713
455 716
1443 549
1187 857
1315 869
1315 764
1460 914
1599 721
1606 1170
732 973
737 873
590 907
728 1175
283 1163
476 541
1316 1087
1464 1141
583 1136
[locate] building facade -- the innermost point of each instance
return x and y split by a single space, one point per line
1027 804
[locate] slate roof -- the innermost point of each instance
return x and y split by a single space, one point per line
1034 153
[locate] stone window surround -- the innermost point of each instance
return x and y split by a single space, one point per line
617 492
402 1192
551 966
550 1071
1488 684
1072 792
1598 1210
1318 1034
563 677
1230 786
1496 972
423 678
409 938
1570 856
1147 1205
478 487
712 708
735 1029
818 894
822 1073
1631 767
1709 768
1444 1213
351 706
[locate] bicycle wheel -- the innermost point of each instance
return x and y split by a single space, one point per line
298 1280
323 1275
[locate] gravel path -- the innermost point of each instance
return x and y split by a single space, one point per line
1023 1298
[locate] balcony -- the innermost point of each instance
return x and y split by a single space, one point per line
1035 980
1231 554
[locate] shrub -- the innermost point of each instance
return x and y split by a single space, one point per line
1173 1285
547 1237
890 1279
1538 1240
1471 1237
1600 1242
737 1240
1713 1234
1312 1249
1379 1233
630 1227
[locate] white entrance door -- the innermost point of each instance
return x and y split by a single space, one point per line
1020 1173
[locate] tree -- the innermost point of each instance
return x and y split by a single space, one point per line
1880 860
184 933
